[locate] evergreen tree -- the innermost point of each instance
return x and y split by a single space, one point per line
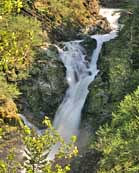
119 141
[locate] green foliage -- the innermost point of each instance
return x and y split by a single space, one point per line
1 130
38 148
7 93
10 165
119 141
119 71
62 11
64 19
18 37
123 61
8 6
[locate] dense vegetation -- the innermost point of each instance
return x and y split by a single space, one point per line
19 35
36 149
113 103
22 34
119 141
112 107
25 26
119 69
64 19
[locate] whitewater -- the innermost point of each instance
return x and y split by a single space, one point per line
79 74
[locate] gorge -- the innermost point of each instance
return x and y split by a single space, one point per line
69 68
79 74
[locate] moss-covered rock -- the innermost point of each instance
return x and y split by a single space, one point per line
96 109
45 88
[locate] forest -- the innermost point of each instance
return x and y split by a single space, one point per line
33 84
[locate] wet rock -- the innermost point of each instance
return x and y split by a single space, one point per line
102 25
89 44
99 25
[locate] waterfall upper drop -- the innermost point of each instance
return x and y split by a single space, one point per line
79 75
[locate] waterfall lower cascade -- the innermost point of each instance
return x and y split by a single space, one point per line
79 74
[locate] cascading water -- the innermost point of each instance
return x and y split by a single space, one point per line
79 74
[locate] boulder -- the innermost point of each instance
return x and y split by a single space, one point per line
89 44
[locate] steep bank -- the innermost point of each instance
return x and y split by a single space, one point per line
43 91
118 75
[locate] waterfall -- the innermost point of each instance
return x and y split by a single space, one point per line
79 75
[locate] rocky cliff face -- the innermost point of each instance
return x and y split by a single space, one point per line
98 24
45 88
74 20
